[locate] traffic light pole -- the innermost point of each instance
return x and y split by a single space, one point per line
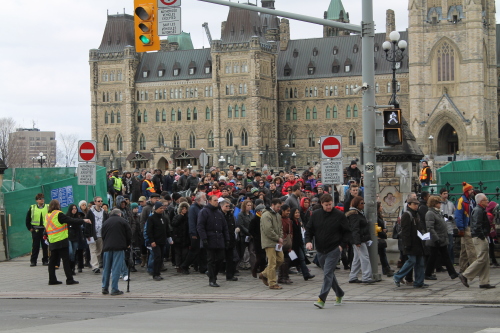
367 30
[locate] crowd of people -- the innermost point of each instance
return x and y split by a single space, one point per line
271 223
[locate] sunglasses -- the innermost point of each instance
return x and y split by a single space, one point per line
99 201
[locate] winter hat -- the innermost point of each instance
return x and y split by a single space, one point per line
260 208
466 187
134 205
270 178
142 198
254 189
158 204
353 162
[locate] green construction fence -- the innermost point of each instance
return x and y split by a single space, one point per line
21 185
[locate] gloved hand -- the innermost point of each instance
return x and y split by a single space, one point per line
205 244
437 243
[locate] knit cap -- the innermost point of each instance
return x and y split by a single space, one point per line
467 187
255 189
134 205
158 204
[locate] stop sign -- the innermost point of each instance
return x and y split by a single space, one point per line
331 146
86 151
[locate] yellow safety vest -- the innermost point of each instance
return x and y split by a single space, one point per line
55 231
117 183
36 212
151 187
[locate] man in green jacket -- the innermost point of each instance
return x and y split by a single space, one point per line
271 229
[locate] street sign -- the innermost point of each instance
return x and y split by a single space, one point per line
169 3
203 159
87 151
332 171
87 174
169 21
331 146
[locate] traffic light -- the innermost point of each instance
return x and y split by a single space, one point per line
393 132
145 22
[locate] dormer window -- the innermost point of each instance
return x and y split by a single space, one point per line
176 72
208 67
347 66
335 66
177 69
376 48
192 68
145 73
191 71
315 52
335 50
355 49
161 72
207 70
295 53
311 68
287 70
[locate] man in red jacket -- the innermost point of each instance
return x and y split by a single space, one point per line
291 181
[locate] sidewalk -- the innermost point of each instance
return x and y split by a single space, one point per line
21 281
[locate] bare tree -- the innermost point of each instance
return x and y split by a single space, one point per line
7 126
69 148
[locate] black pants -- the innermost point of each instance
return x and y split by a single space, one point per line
230 263
491 246
260 259
347 256
37 240
181 253
382 254
214 260
196 256
55 257
158 261
443 251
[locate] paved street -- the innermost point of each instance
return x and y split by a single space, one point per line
20 280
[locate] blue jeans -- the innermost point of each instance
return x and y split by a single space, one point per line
151 261
451 243
113 263
73 246
415 262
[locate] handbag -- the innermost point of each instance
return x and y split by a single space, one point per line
287 242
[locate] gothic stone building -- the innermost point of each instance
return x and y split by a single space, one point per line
257 96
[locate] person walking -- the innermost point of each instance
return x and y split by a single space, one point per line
360 240
491 210
480 230
34 222
330 229
298 244
448 210
272 242
465 205
212 228
56 227
412 245
116 238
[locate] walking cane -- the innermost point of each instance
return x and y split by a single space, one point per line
128 264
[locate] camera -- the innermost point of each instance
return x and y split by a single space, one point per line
363 87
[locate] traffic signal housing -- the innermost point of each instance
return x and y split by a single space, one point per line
145 25
393 132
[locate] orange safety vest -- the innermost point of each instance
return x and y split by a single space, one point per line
55 231
151 187
423 174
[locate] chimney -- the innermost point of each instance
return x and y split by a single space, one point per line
284 34
390 24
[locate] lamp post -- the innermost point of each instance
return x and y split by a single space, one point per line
294 160
394 52
120 165
431 140
189 166
33 159
431 156
41 159
261 153
281 157
137 165
222 160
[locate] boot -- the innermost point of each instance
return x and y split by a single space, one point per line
72 265
143 260
387 271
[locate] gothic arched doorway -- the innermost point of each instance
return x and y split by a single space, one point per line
162 164
447 142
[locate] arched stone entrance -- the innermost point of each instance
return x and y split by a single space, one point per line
162 164
447 141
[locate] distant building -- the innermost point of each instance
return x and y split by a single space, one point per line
26 144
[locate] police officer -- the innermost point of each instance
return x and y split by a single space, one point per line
34 223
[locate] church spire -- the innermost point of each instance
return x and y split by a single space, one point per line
335 12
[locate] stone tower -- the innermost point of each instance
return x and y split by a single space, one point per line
335 12
453 76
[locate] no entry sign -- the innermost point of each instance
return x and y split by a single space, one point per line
331 146
87 151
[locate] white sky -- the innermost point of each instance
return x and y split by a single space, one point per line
45 47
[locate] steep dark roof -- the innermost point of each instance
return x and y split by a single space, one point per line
119 32
241 25
325 58
153 61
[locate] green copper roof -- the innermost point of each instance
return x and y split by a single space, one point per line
334 10
184 41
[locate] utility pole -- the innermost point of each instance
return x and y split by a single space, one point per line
367 30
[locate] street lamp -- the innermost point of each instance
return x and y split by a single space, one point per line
394 52
189 166
222 160
281 157
294 158
137 165
261 153
41 159
33 159
120 165
431 139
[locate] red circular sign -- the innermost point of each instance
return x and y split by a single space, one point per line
87 151
168 2
331 147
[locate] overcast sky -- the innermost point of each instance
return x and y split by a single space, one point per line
45 47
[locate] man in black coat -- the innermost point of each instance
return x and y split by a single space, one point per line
212 228
116 238
254 229
157 232
192 182
168 181
225 206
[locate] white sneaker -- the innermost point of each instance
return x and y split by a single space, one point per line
125 278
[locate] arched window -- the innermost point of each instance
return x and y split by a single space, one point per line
245 88
207 113
192 141
315 91
347 90
291 139
240 90
294 114
335 112
446 63
315 113
243 111
327 91
195 114
106 120
179 115
355 111
288 114
119 142
105 143
145 116
328 112
244 137
311 139
229 112
188 114
377 88
177 141
139 116
157 115
336 91
163 115
172 115
211 143
112 117
236 111
307 92
229 138
352 138
389 87
118 117
142 142
161 140
308 113
348 111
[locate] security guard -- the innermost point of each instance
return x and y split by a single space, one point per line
34 223
425 174
117 183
